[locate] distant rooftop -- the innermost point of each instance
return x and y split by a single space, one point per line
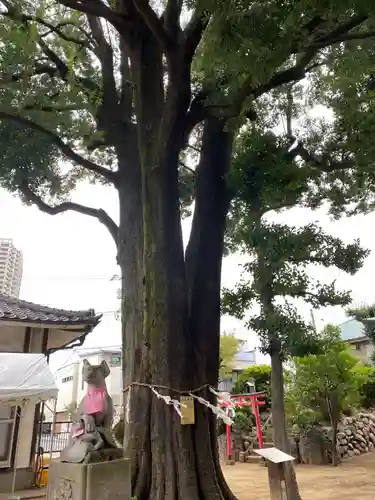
88 351
246 356
352 329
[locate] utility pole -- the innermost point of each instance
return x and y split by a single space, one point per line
313 320
116 277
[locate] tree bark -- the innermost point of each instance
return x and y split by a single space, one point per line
279 423
334 419
334 443
135 345
203 266
169 339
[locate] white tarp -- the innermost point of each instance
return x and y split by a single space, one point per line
25 377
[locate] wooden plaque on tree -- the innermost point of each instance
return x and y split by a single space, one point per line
187 410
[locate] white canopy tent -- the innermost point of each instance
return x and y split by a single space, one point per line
26 379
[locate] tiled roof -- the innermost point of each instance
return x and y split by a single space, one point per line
12 309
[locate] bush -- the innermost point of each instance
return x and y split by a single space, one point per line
365 382
243 422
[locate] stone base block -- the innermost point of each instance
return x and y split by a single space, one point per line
102 480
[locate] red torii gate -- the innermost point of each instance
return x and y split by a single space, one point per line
238 401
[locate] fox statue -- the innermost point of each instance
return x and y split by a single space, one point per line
93 431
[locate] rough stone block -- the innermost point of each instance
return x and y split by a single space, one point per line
109 480
66 481
102 480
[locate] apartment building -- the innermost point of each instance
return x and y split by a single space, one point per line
11 266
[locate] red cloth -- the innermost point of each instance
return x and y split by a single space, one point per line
94 400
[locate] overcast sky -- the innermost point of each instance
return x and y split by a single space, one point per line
69 260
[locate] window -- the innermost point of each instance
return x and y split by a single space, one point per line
115 360
357 347
66 379
7 424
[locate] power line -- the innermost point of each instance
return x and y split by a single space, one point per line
64 365
70 278
73 353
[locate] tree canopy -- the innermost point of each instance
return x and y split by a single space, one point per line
229 347
64 66
280 256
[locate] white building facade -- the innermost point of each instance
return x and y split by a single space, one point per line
72 388
11 268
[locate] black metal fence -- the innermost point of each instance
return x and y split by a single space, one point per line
58 441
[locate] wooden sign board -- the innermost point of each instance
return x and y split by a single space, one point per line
274 455
187 410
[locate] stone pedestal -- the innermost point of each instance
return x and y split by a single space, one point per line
93 481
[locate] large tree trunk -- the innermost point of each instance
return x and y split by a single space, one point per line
281 440
177 346
203 264
130 258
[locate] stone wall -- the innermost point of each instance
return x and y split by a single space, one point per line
356 435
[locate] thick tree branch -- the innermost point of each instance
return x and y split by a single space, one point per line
52 108
63 69
39 69
298 72
198 111
348 37
342 29
186 167
126 97
289 113
194 31
64 148
105 54
322 162
95 8
194 148
17 16
289 75
293 74
66 206
156 26
171 17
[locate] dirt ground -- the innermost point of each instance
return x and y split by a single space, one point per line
351 480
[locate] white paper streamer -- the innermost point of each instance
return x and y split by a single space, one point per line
216 410
169 401
230 405
225 396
